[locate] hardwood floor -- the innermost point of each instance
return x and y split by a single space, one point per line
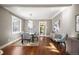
46 47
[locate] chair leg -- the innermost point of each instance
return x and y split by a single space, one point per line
58 43
65 46
22 41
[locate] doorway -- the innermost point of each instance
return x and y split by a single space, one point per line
42 27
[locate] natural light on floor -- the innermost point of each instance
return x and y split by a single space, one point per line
52 48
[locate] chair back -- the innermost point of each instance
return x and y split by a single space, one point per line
26 36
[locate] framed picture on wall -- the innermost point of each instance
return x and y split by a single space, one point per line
56 26
77 23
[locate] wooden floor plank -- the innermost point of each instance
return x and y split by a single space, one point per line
46 47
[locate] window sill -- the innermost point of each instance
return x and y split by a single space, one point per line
16 32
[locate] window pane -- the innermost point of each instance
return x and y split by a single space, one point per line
16 24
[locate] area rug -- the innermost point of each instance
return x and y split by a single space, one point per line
26 43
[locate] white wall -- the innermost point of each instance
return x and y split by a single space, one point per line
74 43
36 26
75 12
49 27
66 21
6 27
67 25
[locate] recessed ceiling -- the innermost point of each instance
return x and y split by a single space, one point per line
34 13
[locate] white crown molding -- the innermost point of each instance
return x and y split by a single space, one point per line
35 5
37 19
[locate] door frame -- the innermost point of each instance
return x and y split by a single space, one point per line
45 27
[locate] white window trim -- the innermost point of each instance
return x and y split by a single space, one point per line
20 26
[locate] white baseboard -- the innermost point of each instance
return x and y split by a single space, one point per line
7 44
47 35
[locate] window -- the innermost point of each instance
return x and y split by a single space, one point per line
77 23
16 25
30 26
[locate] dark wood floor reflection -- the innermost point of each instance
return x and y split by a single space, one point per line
46 47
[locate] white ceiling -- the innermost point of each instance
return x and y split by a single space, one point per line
35 12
